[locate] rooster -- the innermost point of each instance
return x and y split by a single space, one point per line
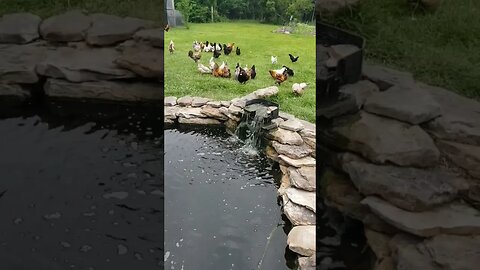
194 55
293 58
171 47
279 75
299 88
273 59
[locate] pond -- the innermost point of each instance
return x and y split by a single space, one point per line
221 206
81 187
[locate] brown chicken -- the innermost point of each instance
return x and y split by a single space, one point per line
194 55
279 75
221 71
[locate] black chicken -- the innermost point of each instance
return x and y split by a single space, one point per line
237 51
288 71
216 53
253 72
243 76
293 58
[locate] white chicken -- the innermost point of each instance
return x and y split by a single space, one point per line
204 69
273 59
196 46
171 47
299 88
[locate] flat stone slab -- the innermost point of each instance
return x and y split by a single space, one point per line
301 162
301 239
285 136
104 90
386 77
81 65
185 101
454 252
408 188
189 112
383 140
307 263
214 113
455 218
110 29
70 26
406 104
297 214
170 112
292 125
266 92
13 91
199 101
303 178
143 60
19 28
302 197
292 151
18 62
198 121
460 120
153 36
463 155
170 101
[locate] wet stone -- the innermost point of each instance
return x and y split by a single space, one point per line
285 136
305 161
301 239
122 250
292 125
292 151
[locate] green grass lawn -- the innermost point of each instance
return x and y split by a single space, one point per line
257 43
441 48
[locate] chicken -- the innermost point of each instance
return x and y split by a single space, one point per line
289 71
221 71
171 47
166 28
194 55
293 58
237 51
227 48
196 46
299 88
279 75
204 69
237 71
217 53
273 59
243 76
208 47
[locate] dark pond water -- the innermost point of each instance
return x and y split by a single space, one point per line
221 206
81 188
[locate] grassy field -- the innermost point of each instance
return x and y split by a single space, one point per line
441 48
257 43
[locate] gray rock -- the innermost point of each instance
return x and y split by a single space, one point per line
382 140
286 116
307 263
70 26
170 112
214 113
386 77
227 113
408 188
301 239
292 151
405 104
410 256
239 102
301 162
13 92
271 153
455 218
18 62
298 215
199 101
309 129
235 110
301 197
214 104
454 252
303 178
292 125
360 91
19 28
266 92
170 101
185 101
143 60
104 90
463 155
153 36
190 112
225 103
198 121
109 29
81 65
460 120
285 136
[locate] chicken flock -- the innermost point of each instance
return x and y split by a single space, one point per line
241 74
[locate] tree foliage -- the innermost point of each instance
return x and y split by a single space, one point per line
269 11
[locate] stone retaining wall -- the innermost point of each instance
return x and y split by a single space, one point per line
291 143
75 55
404 160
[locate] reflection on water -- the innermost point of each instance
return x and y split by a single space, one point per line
81 188
221 208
